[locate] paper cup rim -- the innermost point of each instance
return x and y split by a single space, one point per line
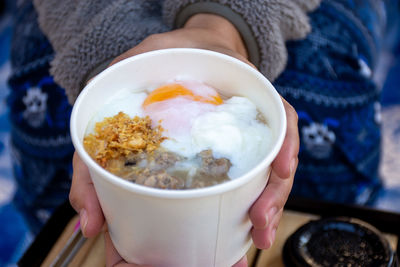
175 193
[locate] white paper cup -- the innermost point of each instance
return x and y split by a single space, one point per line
180 228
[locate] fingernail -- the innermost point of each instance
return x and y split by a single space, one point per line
272 238
83 219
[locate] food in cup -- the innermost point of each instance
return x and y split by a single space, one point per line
137 215
180 135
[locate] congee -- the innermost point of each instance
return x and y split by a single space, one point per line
179 135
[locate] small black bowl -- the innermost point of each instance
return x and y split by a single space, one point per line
346 242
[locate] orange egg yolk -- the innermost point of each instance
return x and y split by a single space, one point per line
176 90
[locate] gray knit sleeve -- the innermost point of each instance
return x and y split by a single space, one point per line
87 35
264 25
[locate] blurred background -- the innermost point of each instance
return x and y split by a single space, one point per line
14 234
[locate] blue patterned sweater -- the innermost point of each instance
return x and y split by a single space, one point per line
330 80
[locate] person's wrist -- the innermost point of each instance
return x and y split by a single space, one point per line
220 27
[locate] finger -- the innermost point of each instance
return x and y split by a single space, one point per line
130 53
280 182
285 162
264 238
273 227
112 256
178 39
242 262
271 200
83 199
151 43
